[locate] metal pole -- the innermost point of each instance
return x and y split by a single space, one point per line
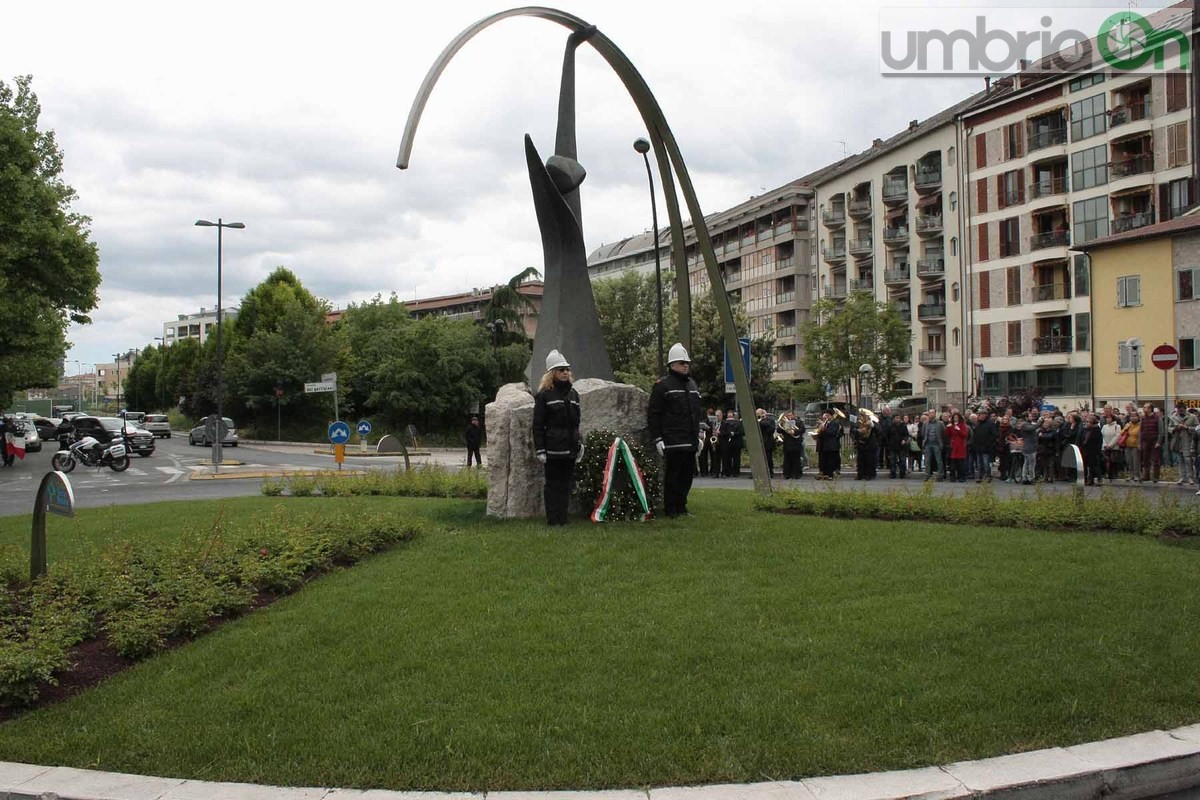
217 433
1137 364
278 421
657 264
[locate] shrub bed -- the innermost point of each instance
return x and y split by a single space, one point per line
427 481
139 597
1110 511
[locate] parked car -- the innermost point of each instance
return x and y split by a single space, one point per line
198 435
908 405
133 416
158 424
33 442
813 411
47 427
109 429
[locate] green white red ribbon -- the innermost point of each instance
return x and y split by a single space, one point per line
619 453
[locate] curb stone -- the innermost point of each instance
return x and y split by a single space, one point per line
1143 765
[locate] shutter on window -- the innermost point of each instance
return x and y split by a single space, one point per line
985 341
1181 143
1133 290
980 150
982 237
985 289
1001 199
1164 202
1021 186
981 205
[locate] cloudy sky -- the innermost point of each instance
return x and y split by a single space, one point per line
287 116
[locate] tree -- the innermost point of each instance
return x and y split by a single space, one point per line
842 336
629 321
509 306
708 353
48 268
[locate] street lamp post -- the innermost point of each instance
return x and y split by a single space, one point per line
1135 348
117 359
643 146
218 434
865 373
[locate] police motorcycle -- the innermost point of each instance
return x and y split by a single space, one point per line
91 453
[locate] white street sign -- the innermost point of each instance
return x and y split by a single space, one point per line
329 377
312 388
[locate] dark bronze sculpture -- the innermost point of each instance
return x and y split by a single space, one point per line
556 198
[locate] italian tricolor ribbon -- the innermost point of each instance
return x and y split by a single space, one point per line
619 453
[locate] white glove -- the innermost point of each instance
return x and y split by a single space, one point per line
579 457
702 441
662 448
541 458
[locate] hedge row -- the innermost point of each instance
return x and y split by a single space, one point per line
141 596
427 481
1131 511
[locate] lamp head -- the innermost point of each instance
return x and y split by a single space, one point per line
238 225
203 223
641 145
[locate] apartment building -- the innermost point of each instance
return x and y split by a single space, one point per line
195 326
764 249
1054 161
890 226
467 305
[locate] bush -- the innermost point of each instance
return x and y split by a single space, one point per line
427 481
590 477
1110 511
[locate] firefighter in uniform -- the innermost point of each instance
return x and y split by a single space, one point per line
557 443
674 417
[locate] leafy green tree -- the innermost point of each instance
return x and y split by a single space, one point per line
708 353
508 305
629 321
48 268
176 374
139 381
841 337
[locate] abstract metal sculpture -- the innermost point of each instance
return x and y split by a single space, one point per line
567 170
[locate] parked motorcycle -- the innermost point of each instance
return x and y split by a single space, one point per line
89 452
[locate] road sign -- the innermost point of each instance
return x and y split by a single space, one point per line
329 377
1164 357
311 388
744 346
363 427
339 432
339 454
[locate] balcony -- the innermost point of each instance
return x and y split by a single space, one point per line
835 292
1132 112
933 267
1048 187
1047 138
895 235
1040 241
905 312
782 298
898 275
928 177
860 208
1052 345
1129 222
784 332
1048 292
929 223
835 253
785 263
860 246
927 312
931 358
833 217
1131 165
895 190
863 285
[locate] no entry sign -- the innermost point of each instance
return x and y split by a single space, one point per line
1164 357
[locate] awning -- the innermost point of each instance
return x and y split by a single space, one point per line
934 199
1143 189
896 213
1129 137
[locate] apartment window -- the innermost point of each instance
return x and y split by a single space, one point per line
1017 381
1177 144
1091 220
1089 168
953 245
1088 117
1185 284
1127 357
1083 332
1014 338
1083 276
1176 197
1010 236
1014 285
1187 353
1083 380
1010 188
1176 91
1129 291
954 201
1086 81
1013 141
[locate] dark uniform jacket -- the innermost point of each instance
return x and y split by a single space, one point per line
794 444
675 413
829 437
767 426
556 422
474 436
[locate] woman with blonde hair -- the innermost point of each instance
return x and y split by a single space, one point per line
1131 433
557 442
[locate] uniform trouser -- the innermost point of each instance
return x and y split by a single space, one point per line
829 462
731 461
473 452
793 463
677 481
557 493
770 460
706 459
1151 460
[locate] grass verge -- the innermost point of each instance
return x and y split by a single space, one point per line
730 647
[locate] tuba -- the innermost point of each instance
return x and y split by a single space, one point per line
784 425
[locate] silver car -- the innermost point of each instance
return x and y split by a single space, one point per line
198 435
158 424
33 442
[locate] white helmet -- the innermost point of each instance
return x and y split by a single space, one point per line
555 360
678 354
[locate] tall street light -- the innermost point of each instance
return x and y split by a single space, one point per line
218 433
643 146
117 359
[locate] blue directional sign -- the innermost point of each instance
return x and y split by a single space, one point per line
363 427
339 432
744 347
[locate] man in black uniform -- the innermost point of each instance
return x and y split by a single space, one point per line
767 426
474 438
674 418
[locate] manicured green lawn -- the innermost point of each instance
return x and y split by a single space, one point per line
737 646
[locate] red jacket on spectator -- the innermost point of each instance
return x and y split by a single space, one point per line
958 433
